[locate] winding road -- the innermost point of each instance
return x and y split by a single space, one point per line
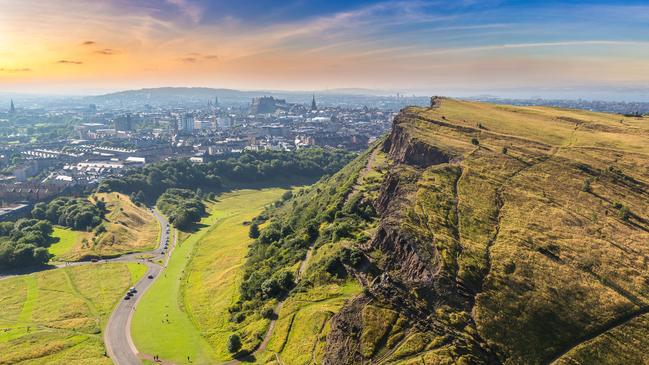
117 335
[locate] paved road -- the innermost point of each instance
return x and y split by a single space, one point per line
117 336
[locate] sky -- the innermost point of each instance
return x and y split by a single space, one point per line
470 46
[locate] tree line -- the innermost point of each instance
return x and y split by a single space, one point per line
149 182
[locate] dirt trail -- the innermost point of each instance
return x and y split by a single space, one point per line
269 332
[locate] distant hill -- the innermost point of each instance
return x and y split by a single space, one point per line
199 96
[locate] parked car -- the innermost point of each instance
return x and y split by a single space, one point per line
150 276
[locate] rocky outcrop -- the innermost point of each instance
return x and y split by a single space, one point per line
403 148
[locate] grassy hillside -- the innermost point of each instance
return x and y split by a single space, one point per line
56 316
126 228
187 309
480 234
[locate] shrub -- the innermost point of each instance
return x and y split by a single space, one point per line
254 231
234 343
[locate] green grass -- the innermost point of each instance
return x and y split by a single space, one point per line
300 333
199 284
56 316
66 240
216 268
129 228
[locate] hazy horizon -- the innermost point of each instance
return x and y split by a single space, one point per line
84 47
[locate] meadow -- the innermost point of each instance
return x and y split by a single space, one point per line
186 308
56 316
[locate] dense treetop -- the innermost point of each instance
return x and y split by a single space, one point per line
24 243
250 167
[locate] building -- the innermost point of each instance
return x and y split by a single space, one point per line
13 212
314 107
124 123
267 105
12 107
187 124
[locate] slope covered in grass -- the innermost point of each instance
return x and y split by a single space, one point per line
479 233
185 312
126 228
56 316
507 235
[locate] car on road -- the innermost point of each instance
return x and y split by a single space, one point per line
127 297
150 276
132 290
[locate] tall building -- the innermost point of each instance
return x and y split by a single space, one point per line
124 123
187 123
313 104
12 108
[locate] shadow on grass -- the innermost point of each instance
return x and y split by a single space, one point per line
25 270
246 357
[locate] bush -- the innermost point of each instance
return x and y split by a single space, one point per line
234 343
475 141
254 231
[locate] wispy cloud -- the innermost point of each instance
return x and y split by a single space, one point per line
12 70
69 62
195 57
107 52
533 45
88 43
193 11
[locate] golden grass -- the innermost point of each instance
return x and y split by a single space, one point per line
551 263
129 228
56 316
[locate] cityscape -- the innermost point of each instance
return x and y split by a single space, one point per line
361 182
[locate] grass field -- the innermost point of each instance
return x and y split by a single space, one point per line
56 316
129 228
187 307
66 240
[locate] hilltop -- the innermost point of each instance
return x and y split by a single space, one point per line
479 233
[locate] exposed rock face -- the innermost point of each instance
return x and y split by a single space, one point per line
412 276
405 149
506 235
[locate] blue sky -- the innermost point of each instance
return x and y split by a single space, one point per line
478 46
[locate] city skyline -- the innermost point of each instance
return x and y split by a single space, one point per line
85 47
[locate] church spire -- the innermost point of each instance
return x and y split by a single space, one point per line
313 104
12 108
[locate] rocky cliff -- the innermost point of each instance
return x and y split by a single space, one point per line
503 235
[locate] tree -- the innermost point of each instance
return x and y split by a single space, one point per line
287 195
39 211
254 231
234 343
